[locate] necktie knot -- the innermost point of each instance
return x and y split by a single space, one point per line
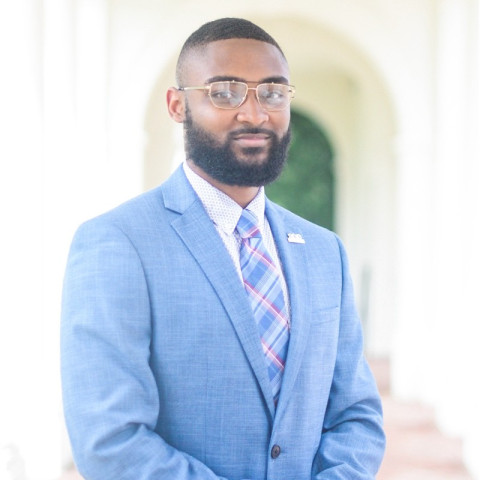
247 225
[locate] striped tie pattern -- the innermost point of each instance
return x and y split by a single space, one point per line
263 287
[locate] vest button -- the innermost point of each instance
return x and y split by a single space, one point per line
275 451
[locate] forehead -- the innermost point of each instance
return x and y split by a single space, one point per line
240 59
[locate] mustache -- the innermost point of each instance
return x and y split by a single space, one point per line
252 131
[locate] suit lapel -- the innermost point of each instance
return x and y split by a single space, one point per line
198 233
294 261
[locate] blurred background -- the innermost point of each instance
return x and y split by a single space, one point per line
386 151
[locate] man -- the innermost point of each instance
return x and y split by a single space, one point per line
208 333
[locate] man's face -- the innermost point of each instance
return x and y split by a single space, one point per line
246 146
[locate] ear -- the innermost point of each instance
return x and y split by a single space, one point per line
176 104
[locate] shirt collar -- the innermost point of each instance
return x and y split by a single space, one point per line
222 210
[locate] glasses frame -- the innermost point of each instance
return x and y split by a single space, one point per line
208 89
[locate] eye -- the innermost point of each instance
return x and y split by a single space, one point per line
225 94
274 95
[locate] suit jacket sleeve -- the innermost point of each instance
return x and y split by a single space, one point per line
353 440
110 397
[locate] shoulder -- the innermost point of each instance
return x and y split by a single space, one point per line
320 242
151 208
129 214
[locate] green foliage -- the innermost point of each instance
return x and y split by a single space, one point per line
306 185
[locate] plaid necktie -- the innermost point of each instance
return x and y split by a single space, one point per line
262 283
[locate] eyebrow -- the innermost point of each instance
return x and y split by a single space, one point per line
229 78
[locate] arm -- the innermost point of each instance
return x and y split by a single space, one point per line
353 440
110 395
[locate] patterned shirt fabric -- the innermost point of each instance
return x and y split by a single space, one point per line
225 213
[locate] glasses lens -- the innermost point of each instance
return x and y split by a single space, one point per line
227 94
274 96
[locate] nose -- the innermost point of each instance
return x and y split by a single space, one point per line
251 111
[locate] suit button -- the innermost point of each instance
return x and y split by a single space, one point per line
275 451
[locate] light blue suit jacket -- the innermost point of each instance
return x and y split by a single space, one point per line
162 370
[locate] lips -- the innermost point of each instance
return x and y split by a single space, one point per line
252 139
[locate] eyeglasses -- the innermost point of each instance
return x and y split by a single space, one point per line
232 94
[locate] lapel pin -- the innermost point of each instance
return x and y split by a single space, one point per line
295 238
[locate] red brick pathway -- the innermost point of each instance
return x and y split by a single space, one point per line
416 450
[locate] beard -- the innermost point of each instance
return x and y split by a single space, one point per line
219 161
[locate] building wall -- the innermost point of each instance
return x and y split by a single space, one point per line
394 84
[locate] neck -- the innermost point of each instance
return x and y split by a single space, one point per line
241 195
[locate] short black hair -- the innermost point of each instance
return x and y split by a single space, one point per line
223 29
